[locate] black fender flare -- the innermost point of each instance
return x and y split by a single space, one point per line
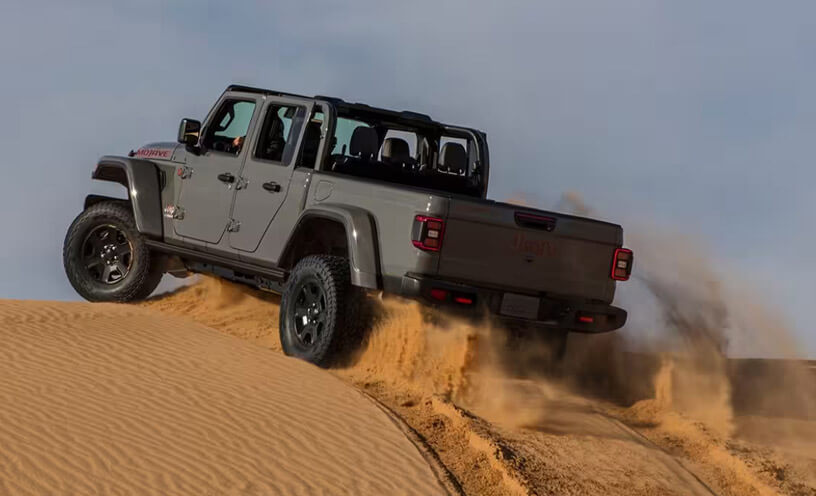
142 180
361 236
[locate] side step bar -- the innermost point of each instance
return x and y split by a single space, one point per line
230 263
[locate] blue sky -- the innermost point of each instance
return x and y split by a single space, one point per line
695 116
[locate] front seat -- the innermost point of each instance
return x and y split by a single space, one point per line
363 149
453 159
273 142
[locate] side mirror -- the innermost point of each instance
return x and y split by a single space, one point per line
188 132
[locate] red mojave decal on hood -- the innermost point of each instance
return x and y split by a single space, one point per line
154 152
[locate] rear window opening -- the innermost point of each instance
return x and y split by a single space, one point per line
411 152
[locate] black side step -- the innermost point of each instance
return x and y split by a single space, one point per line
237 265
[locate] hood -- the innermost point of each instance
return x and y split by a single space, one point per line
165 150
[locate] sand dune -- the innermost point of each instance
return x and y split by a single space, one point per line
114 399
151 399
498 435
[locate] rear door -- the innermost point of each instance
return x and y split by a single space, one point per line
267 171
209 179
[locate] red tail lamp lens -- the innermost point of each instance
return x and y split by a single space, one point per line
439 294
622 264
586 319
464 300
427 233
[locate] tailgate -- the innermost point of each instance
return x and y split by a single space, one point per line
527 250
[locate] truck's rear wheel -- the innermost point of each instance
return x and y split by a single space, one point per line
318 309
106 258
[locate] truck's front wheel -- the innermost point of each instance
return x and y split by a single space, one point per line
318 309
106 258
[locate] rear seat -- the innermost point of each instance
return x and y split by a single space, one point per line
311 142
363 149
395 151
363 162
453 159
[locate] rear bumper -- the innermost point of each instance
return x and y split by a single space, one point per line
556 313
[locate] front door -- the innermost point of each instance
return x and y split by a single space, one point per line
267 170
209 180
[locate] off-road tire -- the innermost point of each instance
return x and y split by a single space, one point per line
339 310
145 270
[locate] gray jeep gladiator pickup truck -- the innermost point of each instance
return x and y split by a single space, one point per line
320 200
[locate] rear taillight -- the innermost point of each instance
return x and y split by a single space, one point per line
445 296
463 300
428 232
622 264
439 294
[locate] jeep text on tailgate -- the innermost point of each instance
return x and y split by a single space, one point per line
320 200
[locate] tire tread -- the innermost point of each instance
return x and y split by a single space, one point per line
342 301
147 274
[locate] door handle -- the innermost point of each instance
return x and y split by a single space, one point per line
271 186
226 177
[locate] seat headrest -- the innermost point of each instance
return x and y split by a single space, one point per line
395 150
453 158
364 142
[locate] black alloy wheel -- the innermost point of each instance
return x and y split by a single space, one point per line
319 310
106 258
107 254
310 312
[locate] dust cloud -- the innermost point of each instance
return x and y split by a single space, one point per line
687 309
498 417
668 374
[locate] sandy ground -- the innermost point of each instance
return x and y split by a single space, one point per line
116 399
150 398
496 434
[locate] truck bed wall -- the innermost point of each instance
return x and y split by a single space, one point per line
393 209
